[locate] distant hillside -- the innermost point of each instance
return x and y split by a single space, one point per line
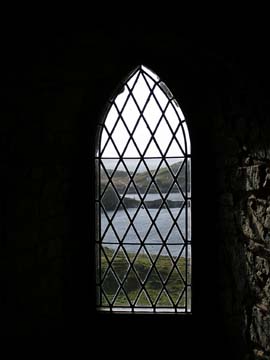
163 179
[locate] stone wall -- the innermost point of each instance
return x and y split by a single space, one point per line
243 196
254 216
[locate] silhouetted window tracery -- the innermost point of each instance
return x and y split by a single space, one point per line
143 200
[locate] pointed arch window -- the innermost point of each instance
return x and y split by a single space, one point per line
143 200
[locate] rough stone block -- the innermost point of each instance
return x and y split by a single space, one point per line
260 327
250 177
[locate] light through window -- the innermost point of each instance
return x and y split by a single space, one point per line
143 201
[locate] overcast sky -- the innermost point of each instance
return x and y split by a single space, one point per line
152 114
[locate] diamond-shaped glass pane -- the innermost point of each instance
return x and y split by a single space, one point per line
175 285
120 179
142 222
141 92
120 136
109 165
132 286
153 201
142 178
153 206
152 113
110 285
141 136
164 222
120 222
163 136
164 178
153 285
131 203
130 114
109 200
152 193
142 265
120 264
164 264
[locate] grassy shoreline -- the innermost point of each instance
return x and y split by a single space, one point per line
152 281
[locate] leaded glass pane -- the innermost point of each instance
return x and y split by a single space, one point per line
143 201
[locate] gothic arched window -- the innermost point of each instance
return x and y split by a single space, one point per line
143 200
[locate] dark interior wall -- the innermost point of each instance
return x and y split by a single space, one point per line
55 88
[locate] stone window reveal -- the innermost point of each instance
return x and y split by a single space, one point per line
143 200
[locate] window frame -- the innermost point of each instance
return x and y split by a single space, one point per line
97 225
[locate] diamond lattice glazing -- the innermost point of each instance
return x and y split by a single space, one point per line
143 165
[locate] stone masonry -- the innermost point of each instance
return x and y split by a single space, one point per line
254 226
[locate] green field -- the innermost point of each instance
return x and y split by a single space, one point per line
142 269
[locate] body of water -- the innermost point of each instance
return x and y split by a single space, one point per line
150 197
154 196
142 228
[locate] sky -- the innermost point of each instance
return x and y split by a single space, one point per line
152 113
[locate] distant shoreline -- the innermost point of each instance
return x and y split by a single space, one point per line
152 204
